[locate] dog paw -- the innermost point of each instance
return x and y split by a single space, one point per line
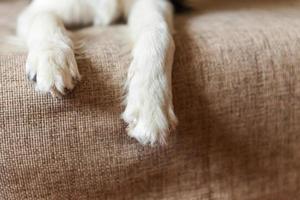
149 122
149 125
54 69
149 107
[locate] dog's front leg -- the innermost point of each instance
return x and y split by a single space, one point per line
51 61
149 108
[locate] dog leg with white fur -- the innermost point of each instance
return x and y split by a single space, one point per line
149 108
51 61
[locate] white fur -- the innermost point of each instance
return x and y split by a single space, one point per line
149 108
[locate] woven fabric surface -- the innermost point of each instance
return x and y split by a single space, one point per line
236 85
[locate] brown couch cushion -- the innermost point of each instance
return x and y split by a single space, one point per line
237 95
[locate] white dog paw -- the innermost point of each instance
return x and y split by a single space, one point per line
149 123
149 107
54 69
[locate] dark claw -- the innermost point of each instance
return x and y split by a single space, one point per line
31 78
34 78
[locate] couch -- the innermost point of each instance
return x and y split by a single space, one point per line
236 85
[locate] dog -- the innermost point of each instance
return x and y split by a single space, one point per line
51 63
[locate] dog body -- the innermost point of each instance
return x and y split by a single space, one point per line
51 61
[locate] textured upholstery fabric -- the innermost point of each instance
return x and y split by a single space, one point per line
237 95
